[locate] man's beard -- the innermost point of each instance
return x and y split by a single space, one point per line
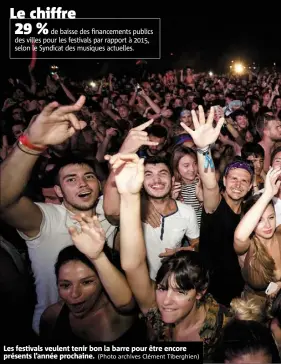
83 207
154 151
158 197
275 138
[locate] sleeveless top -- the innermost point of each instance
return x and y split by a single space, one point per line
218 254
253 266
62 332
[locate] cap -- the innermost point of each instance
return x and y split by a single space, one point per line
182 138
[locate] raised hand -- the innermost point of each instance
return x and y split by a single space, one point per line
55 124
55 77
272 184
8 103
176 189
136 138
276 90
149 214
129 172
218 113
90 240
142 93
110 132
224 139
204 133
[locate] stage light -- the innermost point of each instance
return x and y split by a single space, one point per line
238 68
93 84
211 74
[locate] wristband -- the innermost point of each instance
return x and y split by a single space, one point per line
26 150
208 159
24 141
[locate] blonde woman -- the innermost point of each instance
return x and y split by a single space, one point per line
257 241
249 308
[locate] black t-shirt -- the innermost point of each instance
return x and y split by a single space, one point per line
218 254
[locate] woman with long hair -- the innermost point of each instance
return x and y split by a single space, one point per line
187 187
257 241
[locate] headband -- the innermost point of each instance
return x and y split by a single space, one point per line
239 164
185 112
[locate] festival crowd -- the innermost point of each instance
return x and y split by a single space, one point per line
143 210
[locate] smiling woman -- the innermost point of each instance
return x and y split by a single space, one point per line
96 302
188 187
182 311
257 240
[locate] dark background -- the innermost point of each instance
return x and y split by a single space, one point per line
207 41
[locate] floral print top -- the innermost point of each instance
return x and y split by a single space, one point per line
216 318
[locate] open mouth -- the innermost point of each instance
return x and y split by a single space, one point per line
158 187
85 194
78 307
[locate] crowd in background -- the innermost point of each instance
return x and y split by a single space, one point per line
143 209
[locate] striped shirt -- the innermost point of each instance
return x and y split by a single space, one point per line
188 196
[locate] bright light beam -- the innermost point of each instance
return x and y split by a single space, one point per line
238 68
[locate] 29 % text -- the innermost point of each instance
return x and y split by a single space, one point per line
27 28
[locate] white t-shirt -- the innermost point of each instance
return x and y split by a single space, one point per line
44 249
277 207
169 234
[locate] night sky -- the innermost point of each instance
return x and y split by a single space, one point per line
199 42
215 44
